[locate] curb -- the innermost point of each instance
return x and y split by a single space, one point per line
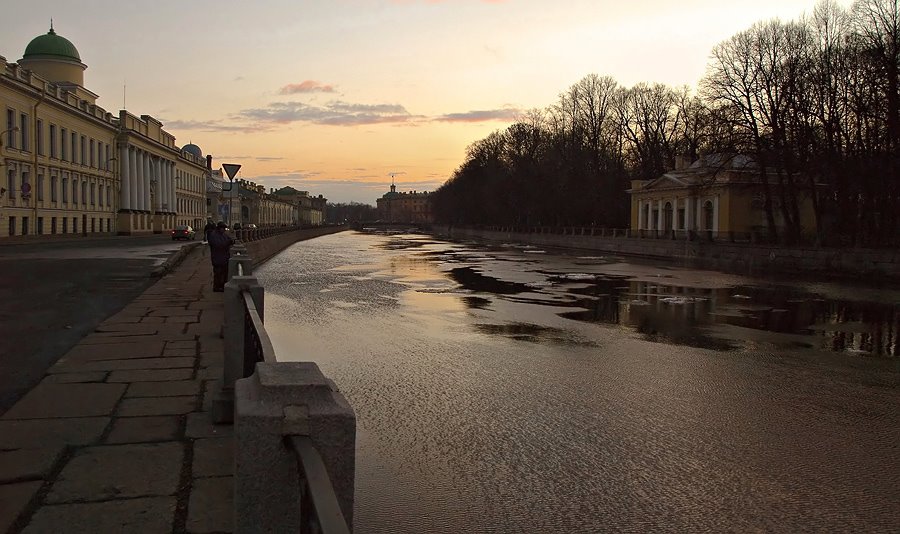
173 261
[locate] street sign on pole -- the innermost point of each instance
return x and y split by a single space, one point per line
231 169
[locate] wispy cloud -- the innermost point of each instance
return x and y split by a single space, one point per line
268 158
335 113
214 126
306 86
486 115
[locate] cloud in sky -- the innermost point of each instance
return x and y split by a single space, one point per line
334 113
213 126
306 86
486 115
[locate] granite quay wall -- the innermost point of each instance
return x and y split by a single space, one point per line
743 258
261 249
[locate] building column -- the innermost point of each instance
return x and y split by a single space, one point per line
160 185
688 213
659 215
715 227
173 188
124 178
675 213
133 178
147 177
640 214
140 180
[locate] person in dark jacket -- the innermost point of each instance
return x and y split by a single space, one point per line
219 252
210 226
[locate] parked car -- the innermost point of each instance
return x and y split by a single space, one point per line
252 226
183 232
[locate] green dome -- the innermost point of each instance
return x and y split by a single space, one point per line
51 45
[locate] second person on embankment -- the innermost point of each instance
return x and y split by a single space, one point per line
219 252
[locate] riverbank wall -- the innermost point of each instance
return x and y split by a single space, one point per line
263 249
742 258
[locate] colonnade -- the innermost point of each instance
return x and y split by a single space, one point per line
693 218
138 169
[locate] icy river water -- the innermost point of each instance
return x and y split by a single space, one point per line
515 389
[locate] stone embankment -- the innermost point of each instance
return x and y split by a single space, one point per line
743 258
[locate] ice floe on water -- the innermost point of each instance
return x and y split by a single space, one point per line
739 296
541 283
534 251
680 300
576 276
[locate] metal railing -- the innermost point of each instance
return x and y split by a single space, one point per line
320 511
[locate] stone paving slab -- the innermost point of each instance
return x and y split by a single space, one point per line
157 406
72 378
13 500
67 400
114 351
119 471
145 429
164 389
128 329
213 457
33 433
28 464
147 515
123 365
162 375
200 425
211 507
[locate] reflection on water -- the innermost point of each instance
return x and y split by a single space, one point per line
514 389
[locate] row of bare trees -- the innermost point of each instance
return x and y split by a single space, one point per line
815 101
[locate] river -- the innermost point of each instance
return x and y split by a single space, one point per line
516 389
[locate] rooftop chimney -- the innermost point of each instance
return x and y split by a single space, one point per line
682 162
209 162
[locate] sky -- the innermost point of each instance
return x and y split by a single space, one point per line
340 97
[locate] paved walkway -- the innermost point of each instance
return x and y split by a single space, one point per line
117 437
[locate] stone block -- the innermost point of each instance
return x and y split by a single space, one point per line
28 464
199 425
127 329
145 429
213 457
147 515
152 375
181 345
119 471
212 359
14 498
169 352
210 373
211 506
123 365
33 433
72 378
164 389
67 400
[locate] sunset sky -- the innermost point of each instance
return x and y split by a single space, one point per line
332 96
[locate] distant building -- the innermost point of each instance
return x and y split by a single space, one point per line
408 208
310 209
714 196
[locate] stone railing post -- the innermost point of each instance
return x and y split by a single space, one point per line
279 400
222 409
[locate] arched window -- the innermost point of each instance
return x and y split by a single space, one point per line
708 215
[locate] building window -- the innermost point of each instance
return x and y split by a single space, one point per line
40 226
108 227
83 193
65 190
11 184
12 226
40 187
74 192
24 181
106 157
100 194
24 225
40 137
108 203
93 159
52 225
93 223
74 147
74 225
10 124
93 194
53 189
62 144
84 160
52 140
65 225
23 133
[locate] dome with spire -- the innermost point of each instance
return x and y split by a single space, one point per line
191 148
51 46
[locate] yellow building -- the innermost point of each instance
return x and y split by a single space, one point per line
409 207
71 167
57 147
716 196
